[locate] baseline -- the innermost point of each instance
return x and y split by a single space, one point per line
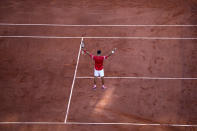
99 123
98 37
115 25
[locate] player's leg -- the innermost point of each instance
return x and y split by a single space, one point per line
102 78
96 74
103 82
94 87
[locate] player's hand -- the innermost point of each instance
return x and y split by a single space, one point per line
113 51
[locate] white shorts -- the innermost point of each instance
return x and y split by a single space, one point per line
98 73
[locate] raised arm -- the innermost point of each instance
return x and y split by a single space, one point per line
112 52
83 48
86 52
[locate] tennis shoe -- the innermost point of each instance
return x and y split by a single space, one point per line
104 87
94 87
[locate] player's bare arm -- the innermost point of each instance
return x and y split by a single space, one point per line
86 52
112 52
83 48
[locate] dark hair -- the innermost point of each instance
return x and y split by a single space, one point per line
98 52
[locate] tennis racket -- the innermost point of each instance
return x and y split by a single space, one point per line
82 45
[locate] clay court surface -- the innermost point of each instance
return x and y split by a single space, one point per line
46 83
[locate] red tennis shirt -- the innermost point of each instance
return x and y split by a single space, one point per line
98 61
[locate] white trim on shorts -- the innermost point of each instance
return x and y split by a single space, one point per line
99 73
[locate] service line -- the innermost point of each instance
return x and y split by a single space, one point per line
119 77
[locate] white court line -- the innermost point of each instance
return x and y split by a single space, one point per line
71 90
32 123
134 124
96 123
93 25
162 78
97 37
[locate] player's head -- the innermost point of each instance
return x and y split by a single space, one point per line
98 52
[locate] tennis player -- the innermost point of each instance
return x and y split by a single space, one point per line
98 67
